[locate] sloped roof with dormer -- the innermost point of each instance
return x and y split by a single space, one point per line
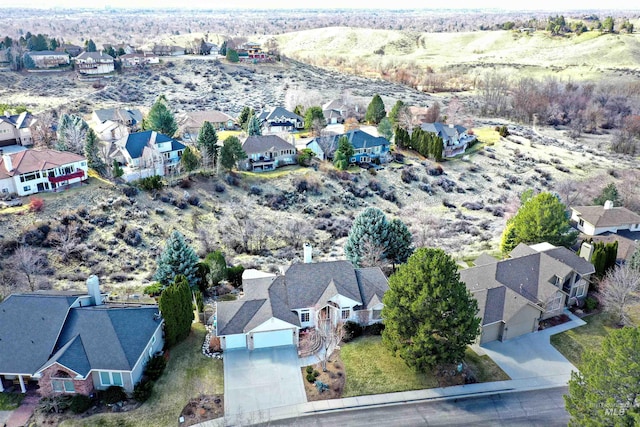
136 142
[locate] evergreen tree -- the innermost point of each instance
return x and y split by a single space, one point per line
223 49
314 117
609 193
92 153
385 129
607 383
400 242
508 241
634 262
542 218
208 142
28 62
160 118
402 140
243 118
232 55
177 258
429 315
369 232
217 268
253 126
299 110
177 310
231 153
189 160
117 169
90 46
604 257
375 110
72 133
53 44
397 109
343 154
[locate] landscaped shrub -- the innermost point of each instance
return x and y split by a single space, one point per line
234 275
142 391
316 374
311 378
114 394
150 183
591 303
80 403
309 369
375 329
352 330
153 290
36 204
155 367
503 131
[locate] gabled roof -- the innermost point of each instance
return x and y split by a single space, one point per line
19 121
105 337
197 118
135 142
96 56
598 216
265 143
372 284
37 160
29 328
278 112
119 115
336 105
33 53
361 139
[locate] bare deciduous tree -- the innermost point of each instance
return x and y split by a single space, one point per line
620 290
42 131
30 263
330 330
295 232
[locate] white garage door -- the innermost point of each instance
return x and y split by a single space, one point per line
273 338
235 341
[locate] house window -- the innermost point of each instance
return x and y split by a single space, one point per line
556 302
5 190
110 378
346 313
304 316
26 188
581 222
62 386
579 290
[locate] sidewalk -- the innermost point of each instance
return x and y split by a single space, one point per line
20 416
524 359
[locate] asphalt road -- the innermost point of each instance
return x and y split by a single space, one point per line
531 408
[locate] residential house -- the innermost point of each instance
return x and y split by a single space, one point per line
138 59
367 148
267 152
275 307
165 50
455 138
336 111
535 283
190 123
72 49
148 153
73 343
32 171
112 124
49 59
278 120
206 48
608 224
16 129
94 63
252 52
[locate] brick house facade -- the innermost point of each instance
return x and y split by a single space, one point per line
56 379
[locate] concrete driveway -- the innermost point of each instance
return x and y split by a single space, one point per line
532 358
262 379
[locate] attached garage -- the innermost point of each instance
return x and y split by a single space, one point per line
491 332
273 338
235 341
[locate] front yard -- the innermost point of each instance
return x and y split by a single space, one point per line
189 374
10 401
572 343
372 369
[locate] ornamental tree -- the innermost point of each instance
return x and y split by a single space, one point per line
253 126
231 153
343 153
92 153
542 218
177 310
605 391
375 111
189 160
177 258
208 143
160 118
429 315
314 118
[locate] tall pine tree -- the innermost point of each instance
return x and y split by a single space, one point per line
253 126
177 258
177 310
400 243
375 111
231 153
160 118
92 153
429 315
208 143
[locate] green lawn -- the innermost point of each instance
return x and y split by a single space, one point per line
10 401
278 173
486 135
572 343
188 375
371 369
224 134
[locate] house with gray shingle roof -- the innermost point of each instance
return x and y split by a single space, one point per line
148 153
366 147
455 138
71 342
15 129
596 220
275 307
536 282
267 152
279 119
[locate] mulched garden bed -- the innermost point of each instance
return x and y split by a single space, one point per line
554 321
198 410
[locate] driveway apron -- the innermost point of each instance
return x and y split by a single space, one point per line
262 379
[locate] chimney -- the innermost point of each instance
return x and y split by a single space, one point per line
608 205
308 253
93 286
586 251
7 114
152 138
8 165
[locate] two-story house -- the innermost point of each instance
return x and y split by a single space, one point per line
191 122
111 124
367 148
535 283
138 59
275 307
455 138
16 129
46 59
148 153
279 119
32 171
267 152
94 63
